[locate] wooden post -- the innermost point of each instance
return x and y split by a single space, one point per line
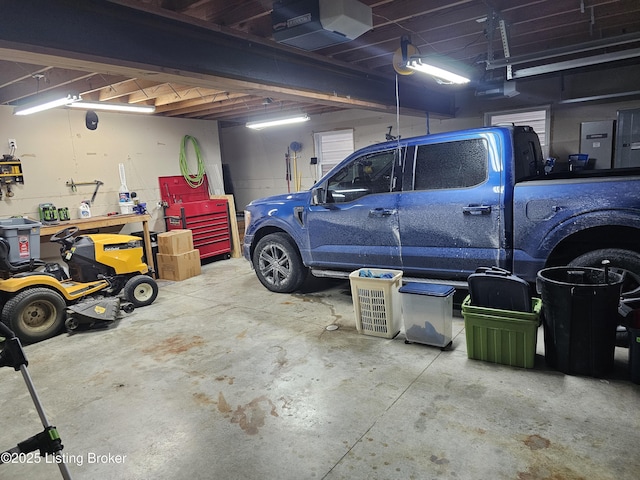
236 246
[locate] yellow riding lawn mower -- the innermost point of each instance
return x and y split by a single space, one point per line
107 273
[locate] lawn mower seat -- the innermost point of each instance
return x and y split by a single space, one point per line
8 268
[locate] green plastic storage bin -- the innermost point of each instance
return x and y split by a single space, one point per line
502 336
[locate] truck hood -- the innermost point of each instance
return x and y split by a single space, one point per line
286 198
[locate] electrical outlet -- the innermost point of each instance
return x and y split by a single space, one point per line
12 144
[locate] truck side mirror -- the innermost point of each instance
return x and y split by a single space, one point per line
318 196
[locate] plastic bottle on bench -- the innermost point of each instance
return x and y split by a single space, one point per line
124 196
84 211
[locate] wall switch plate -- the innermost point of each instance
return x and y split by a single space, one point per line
12 144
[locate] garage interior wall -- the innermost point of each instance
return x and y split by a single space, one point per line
55 147
256 159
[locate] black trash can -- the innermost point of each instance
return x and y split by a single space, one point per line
580 317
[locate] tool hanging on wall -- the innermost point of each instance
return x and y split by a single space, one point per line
287 161
194 180
297 176
390 137
74 187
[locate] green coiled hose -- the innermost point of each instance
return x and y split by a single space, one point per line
196 179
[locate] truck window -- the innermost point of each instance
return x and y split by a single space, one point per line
365 175
528 154
458 164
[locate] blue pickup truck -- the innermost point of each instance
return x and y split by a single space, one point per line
439 206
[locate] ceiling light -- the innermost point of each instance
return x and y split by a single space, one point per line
114 107
430 67
46 104
272 122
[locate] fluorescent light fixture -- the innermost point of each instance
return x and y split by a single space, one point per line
427 66
273 122
46 104
114 107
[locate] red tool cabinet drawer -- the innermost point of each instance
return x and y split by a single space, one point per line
209 222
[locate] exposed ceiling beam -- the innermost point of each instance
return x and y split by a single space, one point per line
18 72
593 98
565 51
576 63
114 36
124 89
43 82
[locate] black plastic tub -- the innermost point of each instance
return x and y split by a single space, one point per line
580 317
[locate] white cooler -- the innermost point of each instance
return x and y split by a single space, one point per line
427 313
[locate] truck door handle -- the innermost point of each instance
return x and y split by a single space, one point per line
381 212
477 210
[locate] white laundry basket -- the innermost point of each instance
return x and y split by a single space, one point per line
376 302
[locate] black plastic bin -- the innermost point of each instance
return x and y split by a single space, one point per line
580 317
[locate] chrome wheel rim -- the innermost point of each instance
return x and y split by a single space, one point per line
274 265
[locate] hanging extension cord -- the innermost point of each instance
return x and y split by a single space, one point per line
196 179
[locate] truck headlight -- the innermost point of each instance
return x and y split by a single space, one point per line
247 220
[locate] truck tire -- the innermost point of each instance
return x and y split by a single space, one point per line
35 314
278 264
140 290
620 259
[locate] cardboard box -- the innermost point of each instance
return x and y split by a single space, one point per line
179 267
175 242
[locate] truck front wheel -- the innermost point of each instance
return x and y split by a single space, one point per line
278 264
140 290
625 261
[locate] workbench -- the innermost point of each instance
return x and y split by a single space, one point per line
103 223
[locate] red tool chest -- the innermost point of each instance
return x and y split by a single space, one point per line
191 208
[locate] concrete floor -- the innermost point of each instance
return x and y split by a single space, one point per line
221 379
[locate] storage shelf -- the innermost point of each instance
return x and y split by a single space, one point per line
11 171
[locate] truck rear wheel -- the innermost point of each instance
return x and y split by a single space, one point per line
626 262
35 314
278 264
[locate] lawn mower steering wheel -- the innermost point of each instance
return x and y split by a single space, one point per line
62 235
